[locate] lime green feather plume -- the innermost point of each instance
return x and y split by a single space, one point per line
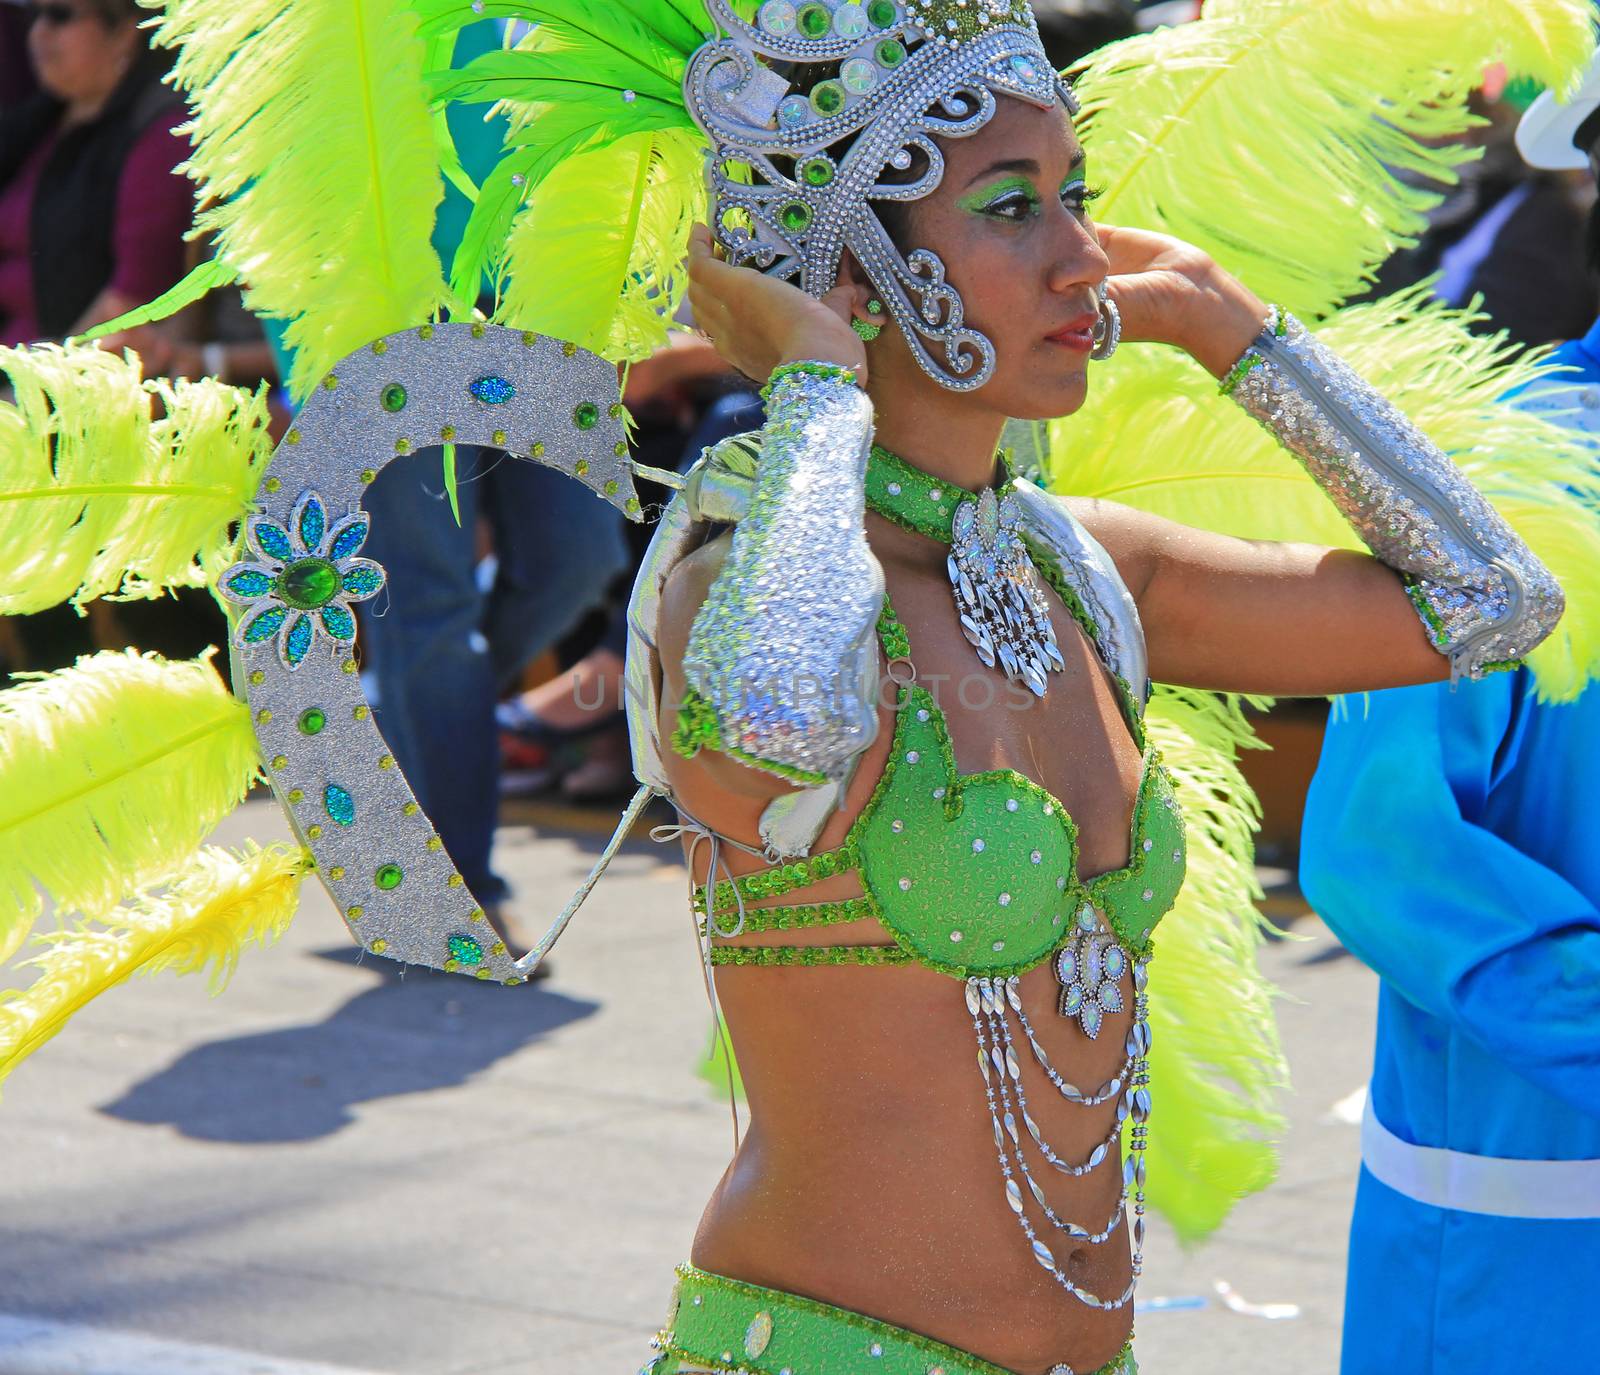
115 770
597 256
316 163
1267 131
98 497
1216 1065
1157 436
564 87
221 903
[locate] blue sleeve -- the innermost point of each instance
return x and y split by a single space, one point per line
1459 922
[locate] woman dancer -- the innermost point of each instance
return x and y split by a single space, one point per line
987 845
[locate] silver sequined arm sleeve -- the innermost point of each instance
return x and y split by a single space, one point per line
1484 598
781 662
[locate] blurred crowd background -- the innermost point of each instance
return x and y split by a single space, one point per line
512 621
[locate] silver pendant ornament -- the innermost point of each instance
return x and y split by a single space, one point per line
998 594
1089 968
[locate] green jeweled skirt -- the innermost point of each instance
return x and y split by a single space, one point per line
726 1325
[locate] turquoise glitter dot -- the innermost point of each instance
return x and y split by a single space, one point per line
465 949
492 391
339 804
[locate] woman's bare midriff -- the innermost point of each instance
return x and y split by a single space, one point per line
868 1176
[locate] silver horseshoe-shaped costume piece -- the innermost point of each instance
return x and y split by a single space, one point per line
376 852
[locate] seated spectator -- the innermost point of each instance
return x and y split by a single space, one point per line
92 213
16 76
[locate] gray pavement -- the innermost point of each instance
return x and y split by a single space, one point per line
335 1166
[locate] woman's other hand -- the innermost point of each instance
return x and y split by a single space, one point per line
1171 292
759 323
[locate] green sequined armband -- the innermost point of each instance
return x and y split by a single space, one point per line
697 727
1238 372
892 635
830 371
1430 617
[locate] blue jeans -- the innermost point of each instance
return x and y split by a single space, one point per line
440 645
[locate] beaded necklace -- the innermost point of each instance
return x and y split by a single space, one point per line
998 593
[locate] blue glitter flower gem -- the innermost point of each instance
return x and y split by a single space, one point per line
492 391
301 584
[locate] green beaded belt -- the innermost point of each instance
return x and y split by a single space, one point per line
727 1325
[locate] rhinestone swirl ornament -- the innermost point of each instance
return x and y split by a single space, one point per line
999 597
877 84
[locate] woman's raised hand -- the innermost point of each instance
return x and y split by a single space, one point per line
1171 292
758 322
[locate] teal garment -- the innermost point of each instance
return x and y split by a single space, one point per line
478 140
1450 843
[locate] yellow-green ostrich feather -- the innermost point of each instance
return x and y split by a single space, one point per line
316 163
98 497
114 772
1267 132
1216 1066
221 902
597 255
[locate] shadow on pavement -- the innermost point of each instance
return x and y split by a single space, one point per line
415 1032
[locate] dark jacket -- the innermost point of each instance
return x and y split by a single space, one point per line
76 196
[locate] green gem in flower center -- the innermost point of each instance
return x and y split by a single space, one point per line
308 584
388 876
586 416
814 21
394 397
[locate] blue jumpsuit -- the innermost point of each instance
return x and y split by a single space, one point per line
1451 842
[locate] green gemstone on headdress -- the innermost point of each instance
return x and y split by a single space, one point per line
795 216
827 97
465 949
586 416
891 52
394 397
388 876
814 21
312 720
881 13
816 172
308 584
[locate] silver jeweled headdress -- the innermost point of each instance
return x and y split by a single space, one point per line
818 109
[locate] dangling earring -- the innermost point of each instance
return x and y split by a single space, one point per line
1107 331
868 330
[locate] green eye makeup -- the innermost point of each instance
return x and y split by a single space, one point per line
1001 198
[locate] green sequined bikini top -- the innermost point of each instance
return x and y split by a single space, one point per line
971 874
